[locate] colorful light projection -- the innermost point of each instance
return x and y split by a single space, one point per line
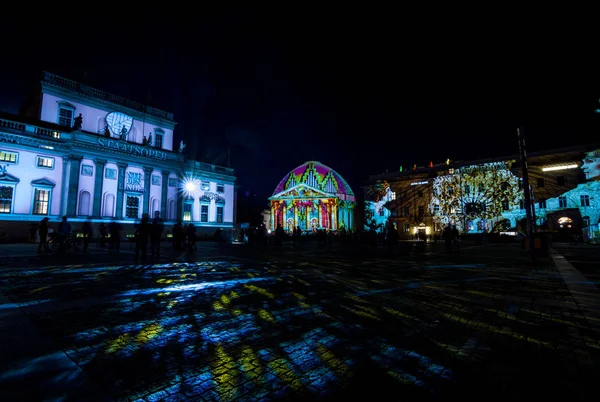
313 196
474 193
377 213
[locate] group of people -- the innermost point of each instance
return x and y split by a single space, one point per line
451 238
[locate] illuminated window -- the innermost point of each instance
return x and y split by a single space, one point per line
205 186
562 201
219 214
41 201
6 199
159 135
540 182
585 200
65 114
220 188
561 180
187 212
542 203
9 157
45 162
392 195
132 207
450 171
406 227
204 213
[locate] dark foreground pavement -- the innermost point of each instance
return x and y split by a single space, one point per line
293 324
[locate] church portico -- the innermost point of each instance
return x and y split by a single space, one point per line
312 197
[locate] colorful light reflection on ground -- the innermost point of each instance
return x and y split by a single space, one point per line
229 331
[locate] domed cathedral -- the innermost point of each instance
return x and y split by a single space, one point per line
313 196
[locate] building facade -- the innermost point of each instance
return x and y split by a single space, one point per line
487 195
313 197
80 152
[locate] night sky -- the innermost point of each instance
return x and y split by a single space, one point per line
360 90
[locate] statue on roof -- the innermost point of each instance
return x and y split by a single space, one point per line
78 122
3 170
181 146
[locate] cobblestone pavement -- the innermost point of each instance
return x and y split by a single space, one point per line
294 325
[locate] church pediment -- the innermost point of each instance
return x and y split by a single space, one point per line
8 178
43 182
302 191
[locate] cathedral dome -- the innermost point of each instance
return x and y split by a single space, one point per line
318 176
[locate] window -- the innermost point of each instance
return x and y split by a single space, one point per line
41 201
187 212
204 213
540 182
406 227
45 162
586 221
505 205
393 211
109 205
158 138
132 207
585 200
562 201
155 180
205 186
6 199
561 180
381 211
420 194
171 210
542 203
65 114
9 157
392 195
172 182
219 214
421 210
220 188
436 209
406 211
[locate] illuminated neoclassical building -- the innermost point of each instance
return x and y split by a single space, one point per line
84 153
312 196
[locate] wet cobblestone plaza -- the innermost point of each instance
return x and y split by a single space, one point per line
296 327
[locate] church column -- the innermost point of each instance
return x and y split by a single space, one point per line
296 216
73 184
334 215
272 216
98 180
147 184
320 212
284 220
120 190
164 195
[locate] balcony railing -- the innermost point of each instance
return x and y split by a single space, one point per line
27 129
207 167
105 96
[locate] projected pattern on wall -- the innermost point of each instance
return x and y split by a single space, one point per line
475 193
312 196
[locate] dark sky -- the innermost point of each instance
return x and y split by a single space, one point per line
360 90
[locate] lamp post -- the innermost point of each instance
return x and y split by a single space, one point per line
527 193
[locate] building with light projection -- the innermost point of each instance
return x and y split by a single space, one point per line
313 197
487 195
81 152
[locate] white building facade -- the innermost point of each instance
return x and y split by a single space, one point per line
81 152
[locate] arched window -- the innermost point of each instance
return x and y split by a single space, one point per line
155 207
84 203
172 210
108 205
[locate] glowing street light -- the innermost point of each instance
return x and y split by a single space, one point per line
190 187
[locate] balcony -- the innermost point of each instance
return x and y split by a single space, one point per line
207 167
15 127
74 86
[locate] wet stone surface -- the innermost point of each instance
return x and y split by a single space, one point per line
226 330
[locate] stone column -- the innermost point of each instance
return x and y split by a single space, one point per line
75 163
272 216
120 190
64 186
164 194
98 180
147 184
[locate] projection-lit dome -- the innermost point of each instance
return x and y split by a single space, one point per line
316 175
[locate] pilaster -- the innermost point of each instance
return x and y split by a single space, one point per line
164 194
74 165
98 180
120 189
147 183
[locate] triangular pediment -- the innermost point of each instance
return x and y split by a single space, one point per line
8 178
302 191
43 182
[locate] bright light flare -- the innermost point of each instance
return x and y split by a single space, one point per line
191 188
561 167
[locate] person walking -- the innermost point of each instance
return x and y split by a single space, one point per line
43 232
156 230
86 230
142 234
